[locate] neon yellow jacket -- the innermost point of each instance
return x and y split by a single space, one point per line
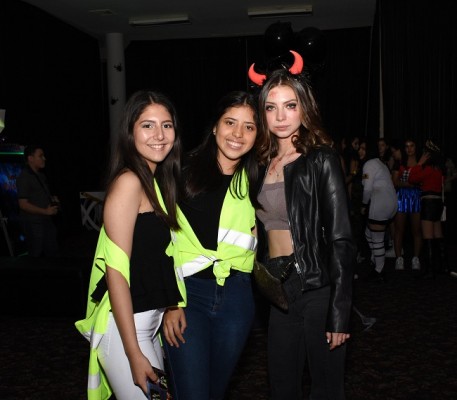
236 244
93 327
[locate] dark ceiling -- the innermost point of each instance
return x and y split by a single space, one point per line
208 18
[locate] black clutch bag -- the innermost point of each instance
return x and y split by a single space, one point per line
270 286
159 390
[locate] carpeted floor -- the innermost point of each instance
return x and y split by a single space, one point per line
409 353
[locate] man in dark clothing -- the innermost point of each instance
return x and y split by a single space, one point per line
37 205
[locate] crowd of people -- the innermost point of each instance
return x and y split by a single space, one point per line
172 272
393 186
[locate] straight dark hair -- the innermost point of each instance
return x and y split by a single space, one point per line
125 156
311 133
203 172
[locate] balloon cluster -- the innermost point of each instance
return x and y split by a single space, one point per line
279 39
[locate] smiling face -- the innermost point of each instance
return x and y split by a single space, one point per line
235 135
154 134
283 112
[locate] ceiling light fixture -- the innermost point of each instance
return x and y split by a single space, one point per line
280 11
160 20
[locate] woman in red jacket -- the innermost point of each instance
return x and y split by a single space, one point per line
428 173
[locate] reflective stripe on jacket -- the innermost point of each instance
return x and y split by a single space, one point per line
93 327
236 244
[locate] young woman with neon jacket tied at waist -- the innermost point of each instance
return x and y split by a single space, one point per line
428 173
132 279
306 216
214 254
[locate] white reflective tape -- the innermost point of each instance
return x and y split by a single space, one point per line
93 381
95 339
180 273
240 239
87 335
194 266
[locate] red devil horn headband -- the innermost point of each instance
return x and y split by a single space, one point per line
296 68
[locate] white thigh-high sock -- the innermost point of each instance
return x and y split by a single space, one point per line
369 242
379 251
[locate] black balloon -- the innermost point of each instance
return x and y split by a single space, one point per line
279 38
311 44
283 61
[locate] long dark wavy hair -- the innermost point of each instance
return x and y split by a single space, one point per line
311 133
203 172
125 156
404 156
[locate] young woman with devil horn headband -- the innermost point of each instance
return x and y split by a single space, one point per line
306 219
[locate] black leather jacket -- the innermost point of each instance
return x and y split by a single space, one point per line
317 208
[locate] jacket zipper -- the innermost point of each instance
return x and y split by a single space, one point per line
297 266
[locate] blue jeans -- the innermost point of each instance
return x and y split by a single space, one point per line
219 320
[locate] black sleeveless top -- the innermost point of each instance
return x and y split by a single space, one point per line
152 277
203 213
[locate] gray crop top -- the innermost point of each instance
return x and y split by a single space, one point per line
273 200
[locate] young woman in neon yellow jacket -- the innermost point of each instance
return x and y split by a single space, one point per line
132 279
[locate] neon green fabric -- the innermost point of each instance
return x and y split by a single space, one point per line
236 243
94 325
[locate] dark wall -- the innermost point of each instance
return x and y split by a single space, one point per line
419 70
195 73
51 87
52 84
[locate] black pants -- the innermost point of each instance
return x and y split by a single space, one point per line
41 238
298 336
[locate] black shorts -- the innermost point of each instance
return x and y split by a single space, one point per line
431 209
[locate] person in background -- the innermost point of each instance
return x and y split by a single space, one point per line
450 194
409 203
351 161
132 279
305 213
384 153
379 204
396 157
428 173
214 254
358 220
450 175
37 205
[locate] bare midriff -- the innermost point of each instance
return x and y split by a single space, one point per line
279 243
